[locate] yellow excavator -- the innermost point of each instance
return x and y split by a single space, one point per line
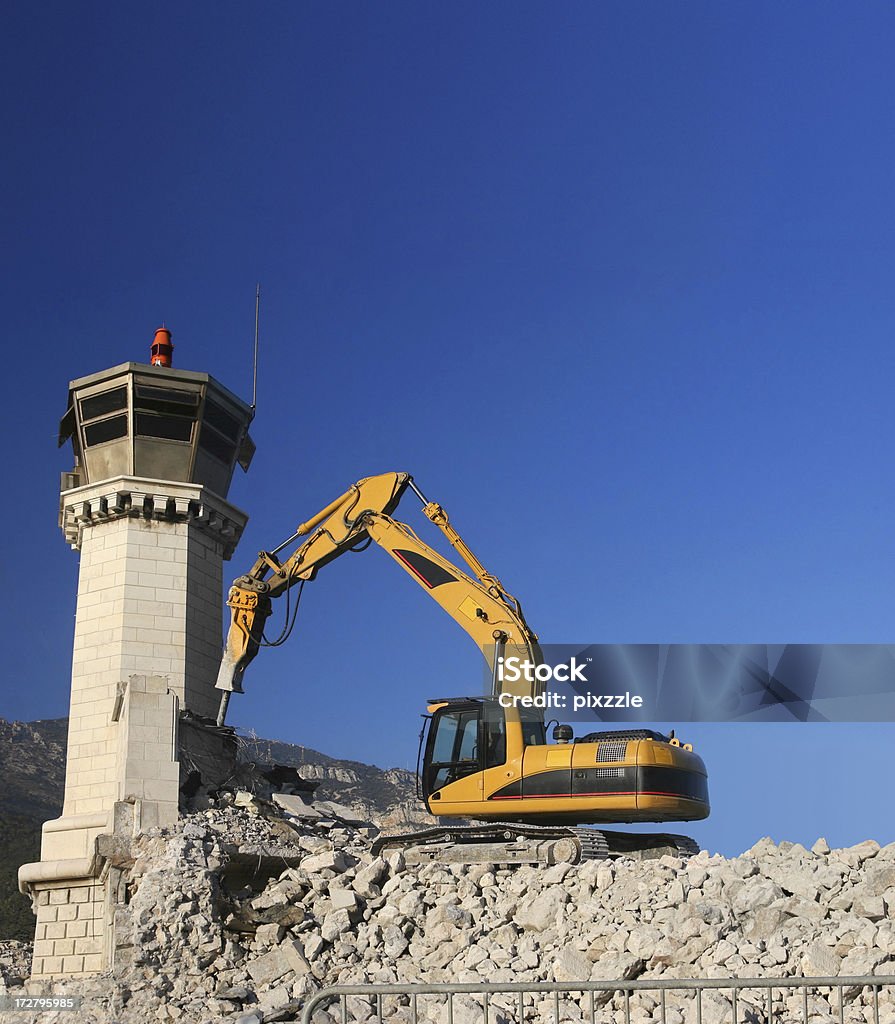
484 758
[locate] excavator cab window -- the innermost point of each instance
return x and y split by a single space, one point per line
534 731
494 733
453 750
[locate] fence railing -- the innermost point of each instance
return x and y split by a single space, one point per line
846 993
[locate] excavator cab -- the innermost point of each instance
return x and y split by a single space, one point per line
453 746
467 736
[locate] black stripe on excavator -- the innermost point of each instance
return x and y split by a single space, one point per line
425 569
646 780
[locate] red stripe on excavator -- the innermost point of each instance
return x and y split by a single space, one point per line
414 570
614 792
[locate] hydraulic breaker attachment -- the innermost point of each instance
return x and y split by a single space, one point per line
249 611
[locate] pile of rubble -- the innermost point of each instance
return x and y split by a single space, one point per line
243 911
15 963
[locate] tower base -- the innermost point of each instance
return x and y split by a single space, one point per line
77 884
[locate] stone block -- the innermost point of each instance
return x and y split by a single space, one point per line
58 897
160 789
72 964
52 965
572 965
542 912
269 934
278 962
331 860
344 899
820 961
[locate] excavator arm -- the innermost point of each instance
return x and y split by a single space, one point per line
492 617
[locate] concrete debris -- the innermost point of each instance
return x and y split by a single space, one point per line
15 963
243 911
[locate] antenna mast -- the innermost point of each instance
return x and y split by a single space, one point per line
255 358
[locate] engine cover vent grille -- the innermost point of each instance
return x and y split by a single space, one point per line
612 750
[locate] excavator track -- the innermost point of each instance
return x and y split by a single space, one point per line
516 843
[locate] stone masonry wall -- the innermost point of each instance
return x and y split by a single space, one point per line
149 602
69 935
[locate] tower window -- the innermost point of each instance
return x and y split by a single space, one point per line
101 405
172 428
105 430
221 420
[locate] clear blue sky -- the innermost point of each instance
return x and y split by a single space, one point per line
614 281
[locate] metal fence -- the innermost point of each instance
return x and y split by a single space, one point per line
752 1001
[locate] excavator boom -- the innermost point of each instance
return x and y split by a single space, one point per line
480 606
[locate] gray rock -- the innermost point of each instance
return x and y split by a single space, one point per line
464 1010
555 874
864 851
879 877
716 1008
441 956
274 999
287 957
279 904
330 860
449 914
763 924
270 934
820 961
368 880
871 907
622 966
334 924
798 882
296 806
344 899
642 941
571 965
542 912
394 941
756 893
863 960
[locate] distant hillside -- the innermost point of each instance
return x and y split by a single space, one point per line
32 763
32 767
387 796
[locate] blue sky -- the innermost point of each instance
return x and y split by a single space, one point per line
612 280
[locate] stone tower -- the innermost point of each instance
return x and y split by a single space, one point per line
155 449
